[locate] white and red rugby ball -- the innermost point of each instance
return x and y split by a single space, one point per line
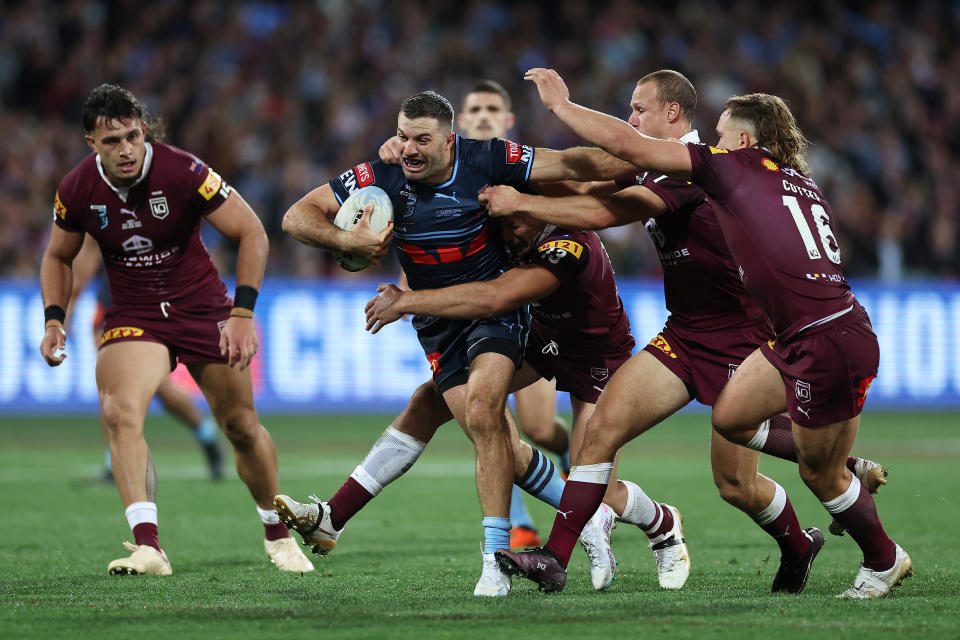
349 215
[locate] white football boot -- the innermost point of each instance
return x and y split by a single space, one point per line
145 560
595 540
670 550
493 583
311 521
872 475
286 555
877 584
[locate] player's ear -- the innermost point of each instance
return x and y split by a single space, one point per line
511 120
451 138
91 142
745 140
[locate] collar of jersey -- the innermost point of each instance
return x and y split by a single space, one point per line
690 136
547 230
123 192
456 165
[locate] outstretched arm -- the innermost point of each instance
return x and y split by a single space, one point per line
610 133
632 204
513 289
310 220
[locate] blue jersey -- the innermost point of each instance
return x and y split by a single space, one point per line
442 235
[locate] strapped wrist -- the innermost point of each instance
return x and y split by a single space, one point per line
245 298
54 312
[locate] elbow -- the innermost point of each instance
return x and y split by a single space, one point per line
289 222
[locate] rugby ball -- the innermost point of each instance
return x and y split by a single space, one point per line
349 215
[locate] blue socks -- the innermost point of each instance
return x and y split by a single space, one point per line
206 433
496 534
542 480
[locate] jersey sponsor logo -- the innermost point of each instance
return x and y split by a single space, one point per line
559 248
364 175
121 332
661 343
599 373
138 245
210 186
769 165
100 210
803 391
58 208
770 343
715 151
159 207
517 152
862 390
551 349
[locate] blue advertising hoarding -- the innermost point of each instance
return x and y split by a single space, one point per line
315 355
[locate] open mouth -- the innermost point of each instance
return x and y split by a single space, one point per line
127 167
412 164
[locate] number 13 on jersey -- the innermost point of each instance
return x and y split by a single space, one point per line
822 220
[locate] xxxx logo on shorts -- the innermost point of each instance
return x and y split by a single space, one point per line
862 390
434 360
661 343
121 332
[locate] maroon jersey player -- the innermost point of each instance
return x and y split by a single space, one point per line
777 225
713 325
143 201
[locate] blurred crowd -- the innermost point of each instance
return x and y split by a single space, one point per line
281 96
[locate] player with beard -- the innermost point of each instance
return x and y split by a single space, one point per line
444 238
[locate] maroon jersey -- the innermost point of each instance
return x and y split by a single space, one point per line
149 233
585 310
701 283
777 225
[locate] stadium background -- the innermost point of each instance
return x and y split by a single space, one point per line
279 97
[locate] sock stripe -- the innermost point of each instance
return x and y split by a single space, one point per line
548 471
534 470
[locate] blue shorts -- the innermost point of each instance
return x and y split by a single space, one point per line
451 345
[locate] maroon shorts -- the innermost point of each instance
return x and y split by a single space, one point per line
580 370
190 332
705 360
827 369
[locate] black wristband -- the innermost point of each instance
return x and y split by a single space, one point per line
54 312
245 297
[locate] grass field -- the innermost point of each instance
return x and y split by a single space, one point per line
406 565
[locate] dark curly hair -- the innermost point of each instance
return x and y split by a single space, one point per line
113 102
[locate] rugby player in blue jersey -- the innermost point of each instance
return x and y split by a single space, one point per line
444 238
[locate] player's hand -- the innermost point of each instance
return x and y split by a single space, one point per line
238 341
391 151
54 339
366 243
380 309
500 200
553 90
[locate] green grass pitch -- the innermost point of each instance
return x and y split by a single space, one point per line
406 565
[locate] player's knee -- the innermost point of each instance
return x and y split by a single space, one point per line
241 429
118 413
819 479
731 489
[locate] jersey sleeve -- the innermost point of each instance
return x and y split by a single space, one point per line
66 213
676 194
365 174
563 256
708 165
211 190
505 161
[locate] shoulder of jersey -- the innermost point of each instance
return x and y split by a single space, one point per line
572 243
